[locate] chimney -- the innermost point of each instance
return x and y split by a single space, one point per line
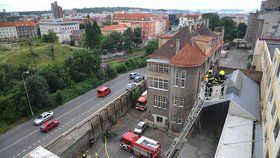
223 31
190 28
177 45
207 23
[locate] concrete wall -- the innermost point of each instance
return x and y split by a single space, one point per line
70 143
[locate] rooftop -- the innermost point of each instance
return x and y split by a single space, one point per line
114 27
194 16
189 55
17 24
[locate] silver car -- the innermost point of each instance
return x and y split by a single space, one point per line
140 127
131 86
45 116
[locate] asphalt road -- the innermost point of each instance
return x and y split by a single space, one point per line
23 138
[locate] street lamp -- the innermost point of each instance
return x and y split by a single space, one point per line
27 72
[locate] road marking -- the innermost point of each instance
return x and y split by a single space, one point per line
68 112
52 133
19 140
29 147
23 151
55 131
34 144
38 141
48 135
44 138
59 128
18 154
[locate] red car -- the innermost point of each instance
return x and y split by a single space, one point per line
103 91
49 125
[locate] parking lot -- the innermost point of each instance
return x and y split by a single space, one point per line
128 122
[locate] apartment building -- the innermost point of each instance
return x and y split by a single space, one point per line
152 26
190 19
264 23
60 27
18 30
56 10
175 71
121 27
267 59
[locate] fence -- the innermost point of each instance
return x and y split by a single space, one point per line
70 143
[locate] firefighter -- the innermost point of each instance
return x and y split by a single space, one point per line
221 77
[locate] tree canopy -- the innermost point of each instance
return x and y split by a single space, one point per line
92 35
151 46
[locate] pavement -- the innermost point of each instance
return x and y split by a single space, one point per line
236 58
124 124
23 138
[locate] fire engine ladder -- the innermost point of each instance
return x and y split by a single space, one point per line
196 109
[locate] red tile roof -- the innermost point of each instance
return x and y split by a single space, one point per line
189 56
131 16
194 16
114 27
17 24
168 36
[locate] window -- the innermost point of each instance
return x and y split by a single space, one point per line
177 78
159 119
273 110
160 99
181 103
183 79
177 118
276 129
158 83
175 101
155 100
164 104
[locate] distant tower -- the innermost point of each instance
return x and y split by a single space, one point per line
56 10
4 10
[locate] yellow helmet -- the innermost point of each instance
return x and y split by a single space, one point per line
206 76
222 72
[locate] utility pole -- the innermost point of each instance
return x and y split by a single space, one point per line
26 92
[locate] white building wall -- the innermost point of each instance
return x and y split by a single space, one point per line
8 33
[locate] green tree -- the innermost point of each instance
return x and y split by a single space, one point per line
242 29
137 36
82 26
151 46
92 35
128 36
50 37
112 43
52 55
213 19
232 34
83 64
230 25
38 91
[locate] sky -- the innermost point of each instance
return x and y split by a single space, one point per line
32 5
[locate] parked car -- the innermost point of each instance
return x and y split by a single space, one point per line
133 75
45 116
103 91
138 78
131 86
140 127
49 125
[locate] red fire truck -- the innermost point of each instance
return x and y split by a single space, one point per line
140 146
141 102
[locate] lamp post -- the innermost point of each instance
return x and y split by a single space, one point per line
22 75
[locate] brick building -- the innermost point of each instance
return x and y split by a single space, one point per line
121 27
175 71
152 26
18 30
56 10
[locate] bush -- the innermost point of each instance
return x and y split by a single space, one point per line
110 72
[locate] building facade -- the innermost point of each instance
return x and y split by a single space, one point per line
267 59
175 71
264 23
152 26
56 10
18 30
61 28
121 27
189 20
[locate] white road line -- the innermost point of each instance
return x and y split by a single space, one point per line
52 133
48 135
19 140
62 116
18 154
34 144
29 147
44 138
23 151
38 141
59 128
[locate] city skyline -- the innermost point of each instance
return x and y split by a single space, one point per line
15 5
